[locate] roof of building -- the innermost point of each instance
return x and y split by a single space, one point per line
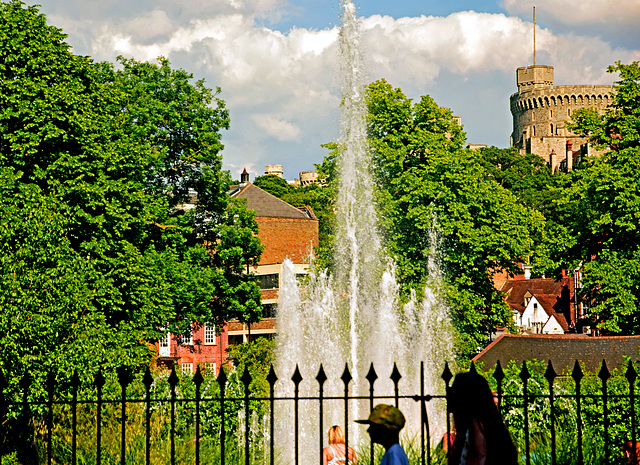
268 205
562 320
517 288
562 350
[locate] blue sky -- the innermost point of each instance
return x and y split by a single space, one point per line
276 60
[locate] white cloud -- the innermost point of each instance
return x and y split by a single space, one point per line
281 88
579 11
276 127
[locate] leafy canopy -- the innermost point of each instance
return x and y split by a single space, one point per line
436 197
100 251
604 199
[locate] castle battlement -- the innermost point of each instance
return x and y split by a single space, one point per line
540 111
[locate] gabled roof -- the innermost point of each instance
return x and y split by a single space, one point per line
562 320
267 205
517 288
562 350
550 304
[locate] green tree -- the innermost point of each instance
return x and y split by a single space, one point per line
274 185
428 183
526 175
604 199
98 164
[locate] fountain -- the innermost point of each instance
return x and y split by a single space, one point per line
353 315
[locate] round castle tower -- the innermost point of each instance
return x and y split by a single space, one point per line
540 111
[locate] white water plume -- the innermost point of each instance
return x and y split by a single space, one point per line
353 316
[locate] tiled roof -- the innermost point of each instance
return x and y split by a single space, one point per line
267 205
562 320
517 288
550 304
562 350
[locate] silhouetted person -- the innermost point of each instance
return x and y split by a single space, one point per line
335 454
481 435
385 423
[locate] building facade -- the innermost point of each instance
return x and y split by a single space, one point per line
540 111
286 232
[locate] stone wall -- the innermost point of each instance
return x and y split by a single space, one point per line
540 111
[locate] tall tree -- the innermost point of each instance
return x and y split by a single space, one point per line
605 202
428 183
100 250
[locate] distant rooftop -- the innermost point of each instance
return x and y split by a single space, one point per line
267 205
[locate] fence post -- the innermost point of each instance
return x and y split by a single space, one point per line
51 382
123 379
631 376
147 380
173 382
395 377
604 375
346 379
321 378
246 380
75 382
272 378
498 375
24 419
577 376
371 378
197 380
98 382
297 379
446 377
222 381
550 375
524 376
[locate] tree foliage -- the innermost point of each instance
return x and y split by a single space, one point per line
99 255
429 184
604 199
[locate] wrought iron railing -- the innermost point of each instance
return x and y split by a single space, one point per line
571 418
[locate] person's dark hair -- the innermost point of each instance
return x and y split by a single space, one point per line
472 399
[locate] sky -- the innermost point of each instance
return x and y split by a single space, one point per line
276 61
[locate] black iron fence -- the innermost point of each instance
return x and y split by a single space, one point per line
554 418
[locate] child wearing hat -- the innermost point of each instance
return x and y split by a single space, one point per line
385 422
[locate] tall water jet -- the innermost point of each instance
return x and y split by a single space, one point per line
353 315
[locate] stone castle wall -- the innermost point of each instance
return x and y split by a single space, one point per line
540 111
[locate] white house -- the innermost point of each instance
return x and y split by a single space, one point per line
539 316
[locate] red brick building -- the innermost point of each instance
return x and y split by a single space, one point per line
286 232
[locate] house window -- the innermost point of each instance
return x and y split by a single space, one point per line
269 310
268 281
164 345
210 367
187 338
187 368
209 334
